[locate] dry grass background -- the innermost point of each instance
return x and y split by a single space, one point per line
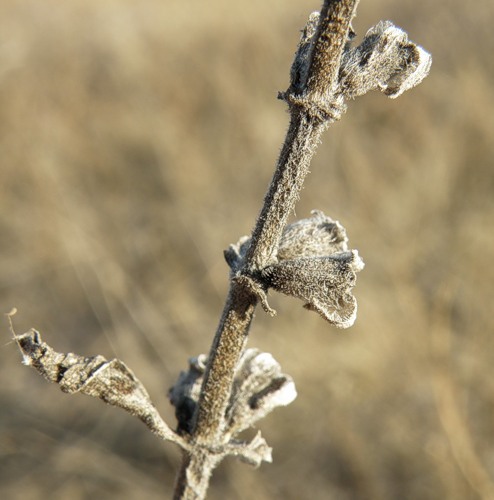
136 142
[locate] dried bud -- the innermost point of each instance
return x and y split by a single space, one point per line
385 60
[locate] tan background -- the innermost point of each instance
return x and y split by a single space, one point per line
136 142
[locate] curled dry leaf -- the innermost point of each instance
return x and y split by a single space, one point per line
259 386
313 264
317 236
324 283
254 452
184 395
112 381
385 60
301 62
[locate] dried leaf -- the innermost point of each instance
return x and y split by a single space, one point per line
385 60
253 453
184 395
235 253
316 236
111 381
314 265
325 283
259 386
301 62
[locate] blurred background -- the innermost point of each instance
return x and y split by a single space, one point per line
137 140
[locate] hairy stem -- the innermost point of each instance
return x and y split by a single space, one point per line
195 472
293 166
231 336
312 107
331 36
228 345
227 392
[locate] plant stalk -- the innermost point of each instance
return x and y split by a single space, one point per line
293 166
195 472
304 132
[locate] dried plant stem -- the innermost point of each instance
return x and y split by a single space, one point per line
309 118
300 144
232 333
231 337
195 472
231 389
228 345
